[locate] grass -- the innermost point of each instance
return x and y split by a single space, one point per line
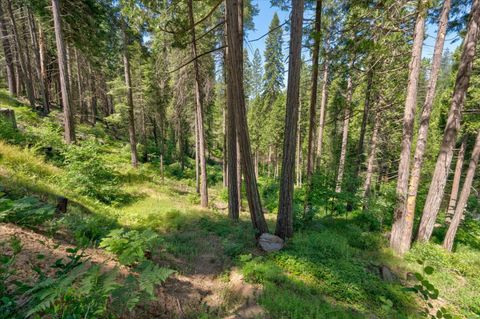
330 269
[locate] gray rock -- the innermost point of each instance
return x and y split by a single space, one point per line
270 243
387 274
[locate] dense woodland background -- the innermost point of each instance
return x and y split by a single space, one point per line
128 125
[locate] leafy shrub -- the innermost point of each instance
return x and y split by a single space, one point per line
88 174
9 134
129 246
431 254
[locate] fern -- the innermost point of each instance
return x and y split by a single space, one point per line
150 275
129 246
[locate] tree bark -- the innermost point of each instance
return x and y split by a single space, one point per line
63 72
22 71
93 96
462 202
43 66
371 158
314 87
400 238
131 113
456 179
38 62
236 83
440 174
423 130
199 113
284 227
233 203
81 103
323 106
7 50
346 123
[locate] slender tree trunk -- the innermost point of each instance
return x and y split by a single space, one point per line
93 96
81 103
298 164
456 179
236 83
371 158
401 235
197 165
63 70
284 226
22 71
467 185
7 50
199 112
28 62
233 199
131 113
353 185
440 174
38 62
313 94
43 67
346 123
323 106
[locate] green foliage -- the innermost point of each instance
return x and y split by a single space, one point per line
427 292
130 246
77 290
89 175
26 211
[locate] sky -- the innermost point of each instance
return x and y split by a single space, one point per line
266 12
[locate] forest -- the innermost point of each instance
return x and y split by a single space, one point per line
239 159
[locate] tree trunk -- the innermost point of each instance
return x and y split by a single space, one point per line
346 123
232 155
93 96
236 83
63 72
199 113
323 106
43 66
423 131
81 103
440 174
314 87
401 235
456 180
371 158
467 185
284 226
353 185
38 62
7 50
298 161
23 72
131 113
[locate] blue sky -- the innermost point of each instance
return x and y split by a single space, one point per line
266 12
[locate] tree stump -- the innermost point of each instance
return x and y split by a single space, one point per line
8 115
62 203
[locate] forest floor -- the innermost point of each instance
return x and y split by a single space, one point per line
334 267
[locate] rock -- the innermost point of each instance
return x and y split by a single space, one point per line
270 243
9 116
387 274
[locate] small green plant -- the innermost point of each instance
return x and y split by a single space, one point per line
7 300
428 292
130 246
